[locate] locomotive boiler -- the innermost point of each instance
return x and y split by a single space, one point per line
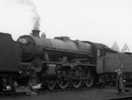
63 62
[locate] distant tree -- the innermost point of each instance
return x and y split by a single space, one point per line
125 48
115 46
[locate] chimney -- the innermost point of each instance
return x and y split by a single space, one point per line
36 27
35 33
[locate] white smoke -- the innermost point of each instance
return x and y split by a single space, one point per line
36 16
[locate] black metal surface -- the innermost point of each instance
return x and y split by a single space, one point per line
9 53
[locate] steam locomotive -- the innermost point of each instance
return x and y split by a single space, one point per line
58 62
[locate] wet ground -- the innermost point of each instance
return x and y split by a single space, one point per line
81 94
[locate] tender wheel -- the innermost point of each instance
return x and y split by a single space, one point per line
76 83
63 83
51 84
7 84
89 81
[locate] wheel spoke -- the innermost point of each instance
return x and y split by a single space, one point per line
76 83
63 84
89 80
51 84
88 83
77 74
62 81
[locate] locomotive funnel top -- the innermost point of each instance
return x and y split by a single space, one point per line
35 32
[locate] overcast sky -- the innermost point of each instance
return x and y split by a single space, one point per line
103 21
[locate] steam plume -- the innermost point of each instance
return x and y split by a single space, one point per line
36 17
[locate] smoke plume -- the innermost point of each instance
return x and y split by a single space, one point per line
36 16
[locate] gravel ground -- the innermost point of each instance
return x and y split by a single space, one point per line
82 94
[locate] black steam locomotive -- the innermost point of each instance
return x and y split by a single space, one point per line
62 61
58 62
